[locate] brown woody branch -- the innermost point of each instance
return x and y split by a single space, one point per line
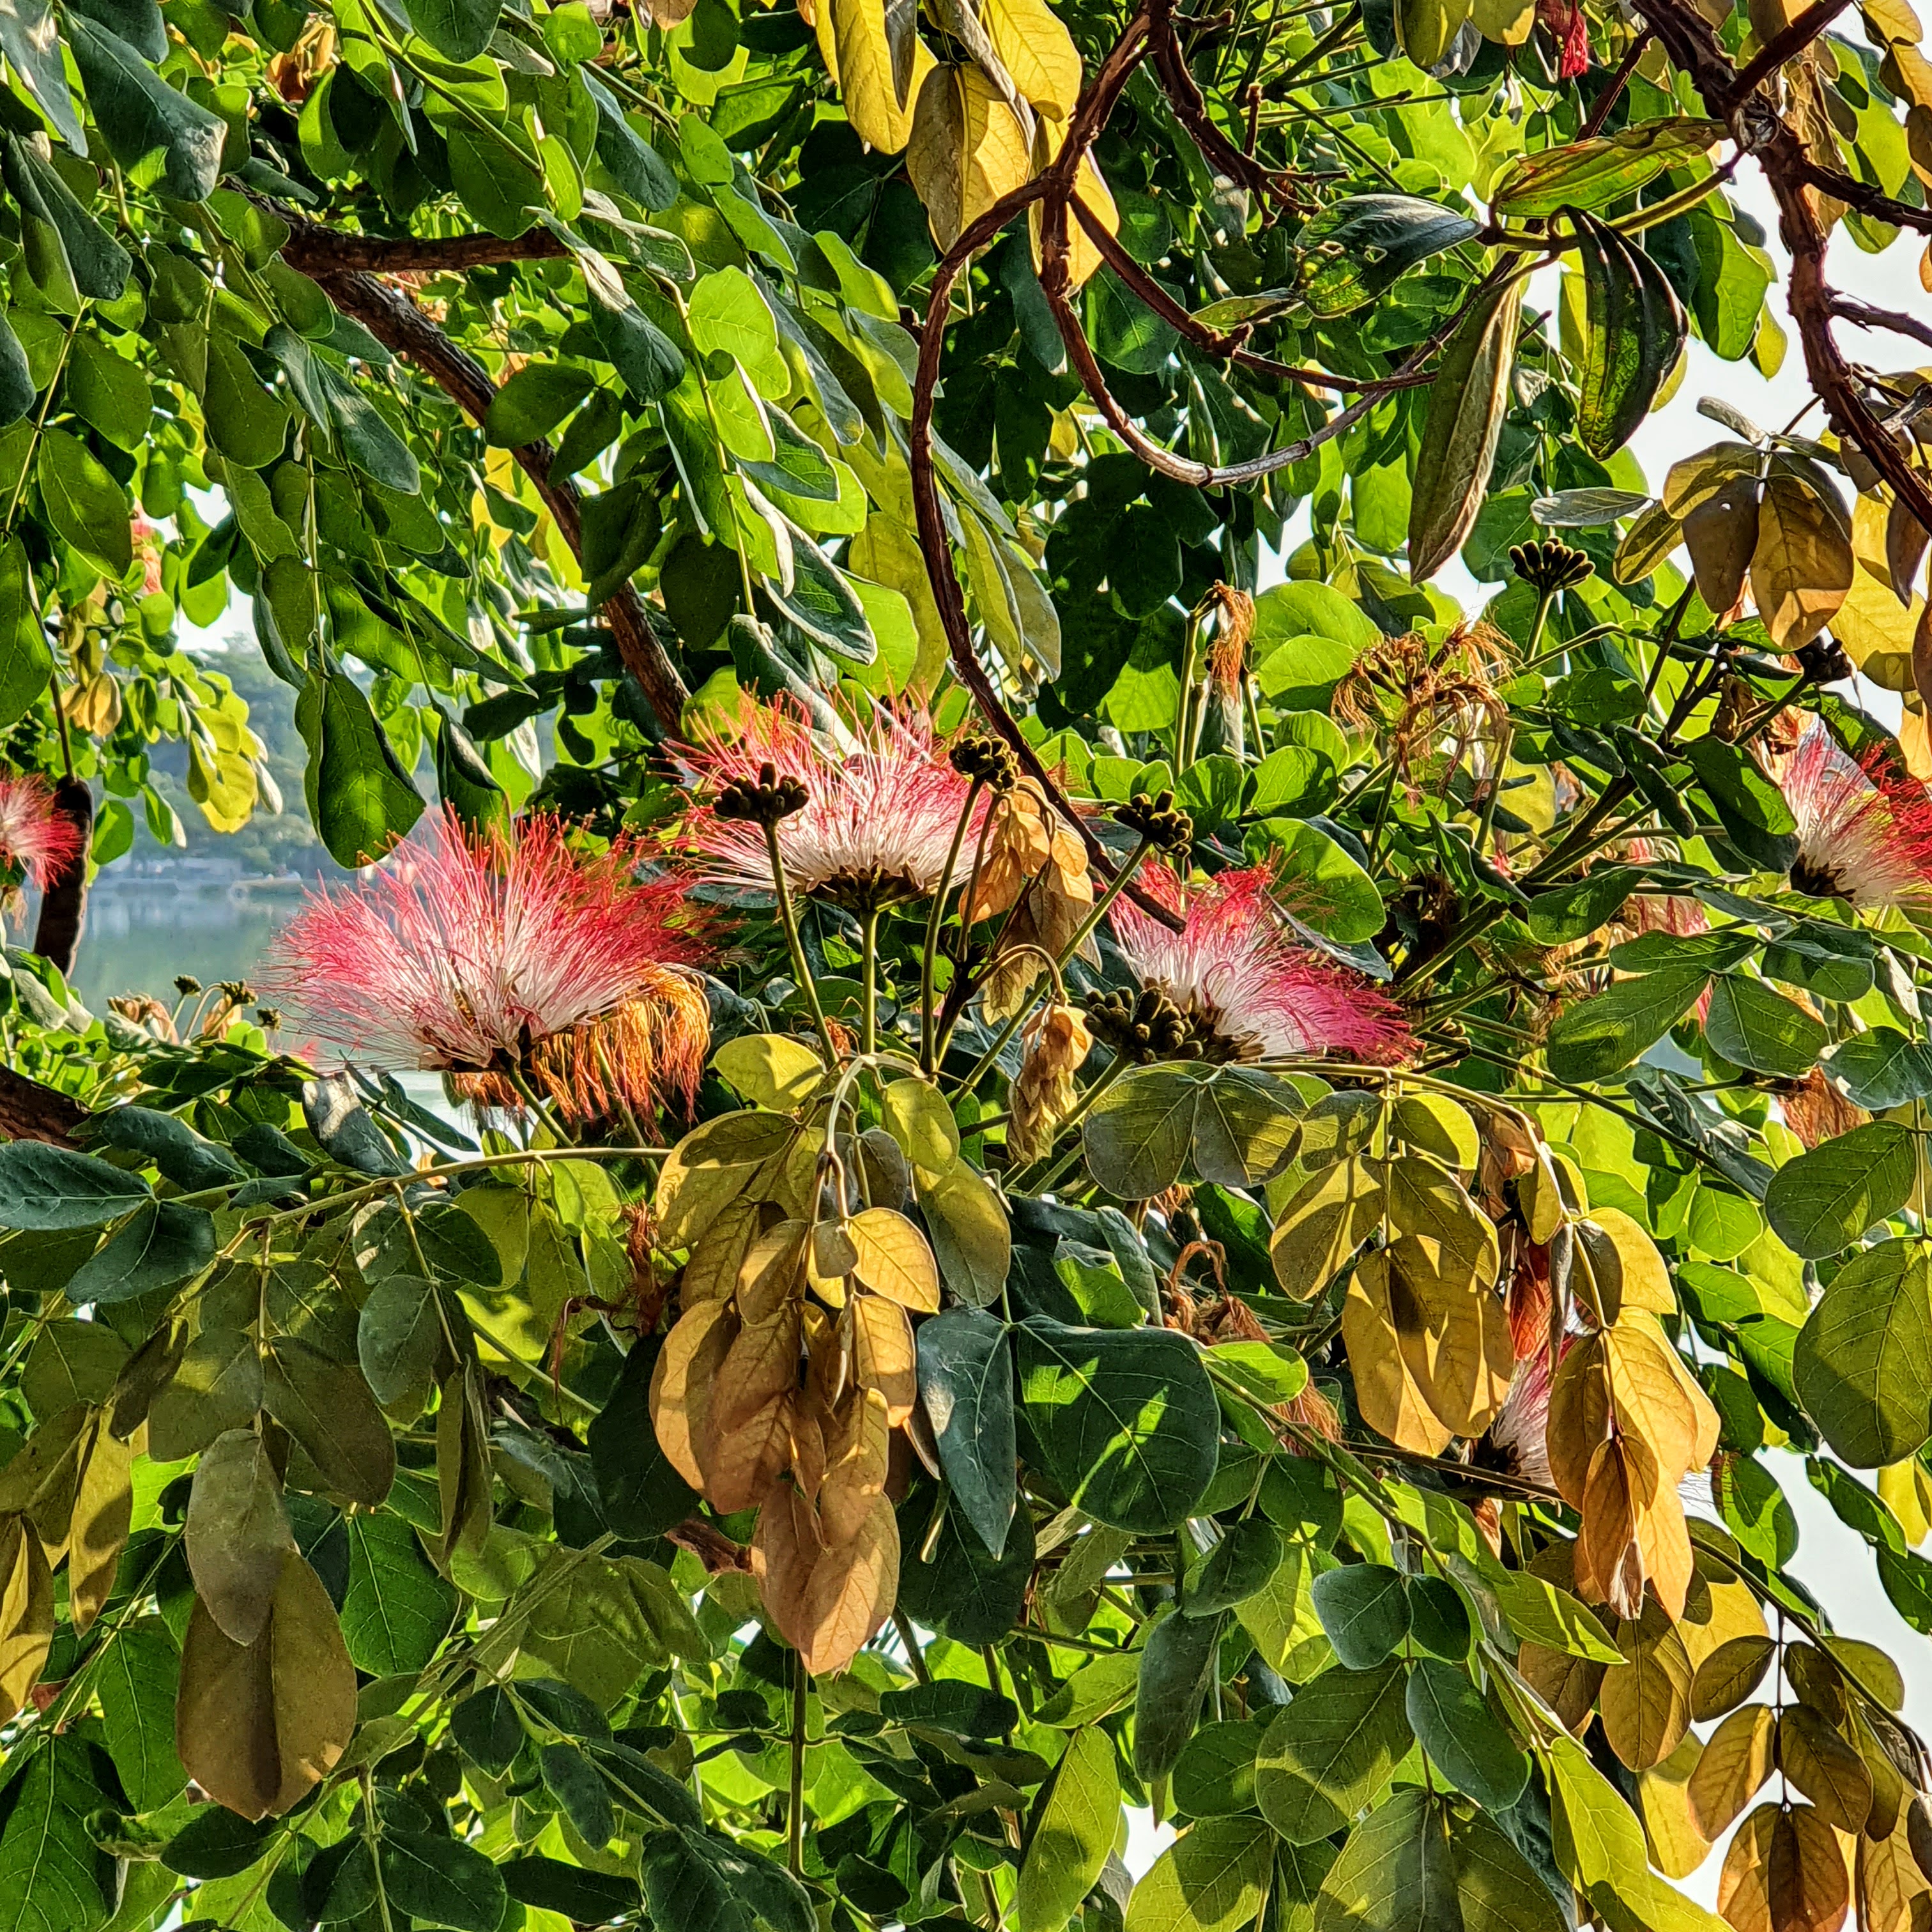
1863 315
1693 46
1213 341
318 252
1854 193
1184 97
1790 40
29 1112
392 317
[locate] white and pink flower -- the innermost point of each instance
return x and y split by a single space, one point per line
38 841
1864 832
877 822
508 959
1246 984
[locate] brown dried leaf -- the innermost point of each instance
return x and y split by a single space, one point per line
1459 1351
1567 1685
237 1533
681 1383
854 1585
883 1354
762 1362
1802 568
772 1272
741 1465
785 1549
1824 1767
857 1453
711 1273
258 1724
1580 1416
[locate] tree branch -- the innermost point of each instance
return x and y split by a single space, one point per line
29 1112
1790 40
317 251
1693 45
1862 315
392 317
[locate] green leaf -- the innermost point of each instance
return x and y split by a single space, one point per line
1634 333
187 1158
1328 890
1395 1874
1214 1776
966 1381
397 1336
441 1879
1138 1134
641 1494
1600 1037
1568 912
26 658
1073 1831
1464 1740
139 114
459 30
31 37
531 404
397 1609
163 1244
1882 1068
90 261
1751 1026
1176 1667
575 1783
1356 246
950 1704
47 1189
1211 1879
1467 403
136 1682
635 165
683 1887
1594 173
1241 1563
1126 1419
54 1877
1364 1611
1539 1612
87 507
1752 810
1863 1364
571 1891
1823 1201
362 799
326 1406
1331 1750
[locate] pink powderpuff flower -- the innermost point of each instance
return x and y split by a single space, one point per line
501 959
1864 832
878 821
1251 992
38 841
1520 1436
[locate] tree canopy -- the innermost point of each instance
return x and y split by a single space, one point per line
1067 1185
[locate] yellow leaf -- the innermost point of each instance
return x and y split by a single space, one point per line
1876 630
1037 51
882 1352
1457 1348
1801 568
967 149
1677 1847
894 1261
1083 258
1392 1402
852 38
1646 1280
681 1383
1323 1224
1508 21
26 1612
1735 1762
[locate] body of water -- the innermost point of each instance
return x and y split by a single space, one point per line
141 933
